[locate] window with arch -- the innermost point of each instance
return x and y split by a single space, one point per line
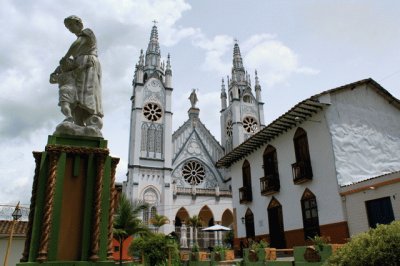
301 169
270 181
309 210
247 98
150 196
249 224
245 192
151 140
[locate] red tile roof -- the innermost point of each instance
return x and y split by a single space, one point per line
20 227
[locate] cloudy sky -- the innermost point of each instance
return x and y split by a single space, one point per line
299 48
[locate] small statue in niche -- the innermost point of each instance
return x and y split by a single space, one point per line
79 79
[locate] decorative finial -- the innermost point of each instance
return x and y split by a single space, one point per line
155 22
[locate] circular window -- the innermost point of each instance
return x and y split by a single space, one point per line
250 124
152 111
193 172
229 127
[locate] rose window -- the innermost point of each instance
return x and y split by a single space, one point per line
250 124
229 128
193 172
152 111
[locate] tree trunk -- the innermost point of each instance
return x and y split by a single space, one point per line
121 243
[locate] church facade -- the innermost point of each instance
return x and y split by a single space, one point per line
175 172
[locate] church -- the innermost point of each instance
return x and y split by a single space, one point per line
175 172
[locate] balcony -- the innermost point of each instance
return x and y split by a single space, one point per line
269 184
302 172
245 195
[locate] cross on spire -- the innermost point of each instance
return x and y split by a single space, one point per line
155 22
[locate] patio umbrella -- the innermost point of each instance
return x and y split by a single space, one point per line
217 227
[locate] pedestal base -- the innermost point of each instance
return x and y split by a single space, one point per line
72 204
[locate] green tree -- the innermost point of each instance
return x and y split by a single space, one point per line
159 220
376 247
127 222
195 222
156 249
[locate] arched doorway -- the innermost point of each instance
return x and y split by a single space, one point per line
227 218
206 216
275 220
206 239
249 223
181 216
309 210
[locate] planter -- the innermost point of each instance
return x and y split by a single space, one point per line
311 254
199 256
250 255
229 254
270 253
184 255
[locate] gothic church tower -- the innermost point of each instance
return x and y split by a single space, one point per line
149 166
242 113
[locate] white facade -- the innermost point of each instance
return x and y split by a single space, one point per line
174 172
353 134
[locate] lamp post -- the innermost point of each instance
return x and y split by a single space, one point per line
16 215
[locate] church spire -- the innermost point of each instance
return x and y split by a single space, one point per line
223 95
168 73
153 49
238 72
257 88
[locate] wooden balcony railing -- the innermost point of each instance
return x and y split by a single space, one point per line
269 184
245 195
302 172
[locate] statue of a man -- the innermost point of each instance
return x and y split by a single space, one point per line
86 112
193 98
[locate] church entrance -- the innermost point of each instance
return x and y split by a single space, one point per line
275 220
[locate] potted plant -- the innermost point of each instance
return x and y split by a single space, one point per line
218 253
194 256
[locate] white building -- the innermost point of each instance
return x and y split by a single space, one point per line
290 181
175 172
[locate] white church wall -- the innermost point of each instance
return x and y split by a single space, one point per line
365 134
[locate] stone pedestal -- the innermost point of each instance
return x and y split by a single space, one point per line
72 204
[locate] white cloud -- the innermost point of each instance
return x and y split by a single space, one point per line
215 50
275 60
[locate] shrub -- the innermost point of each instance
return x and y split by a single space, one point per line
380 246
155 249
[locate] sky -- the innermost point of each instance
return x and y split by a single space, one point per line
299 48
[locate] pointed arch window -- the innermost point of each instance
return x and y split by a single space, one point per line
309 210
151 135
245 192
301 169
270 183
143 144
249 224
150 196
158 139
247 98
